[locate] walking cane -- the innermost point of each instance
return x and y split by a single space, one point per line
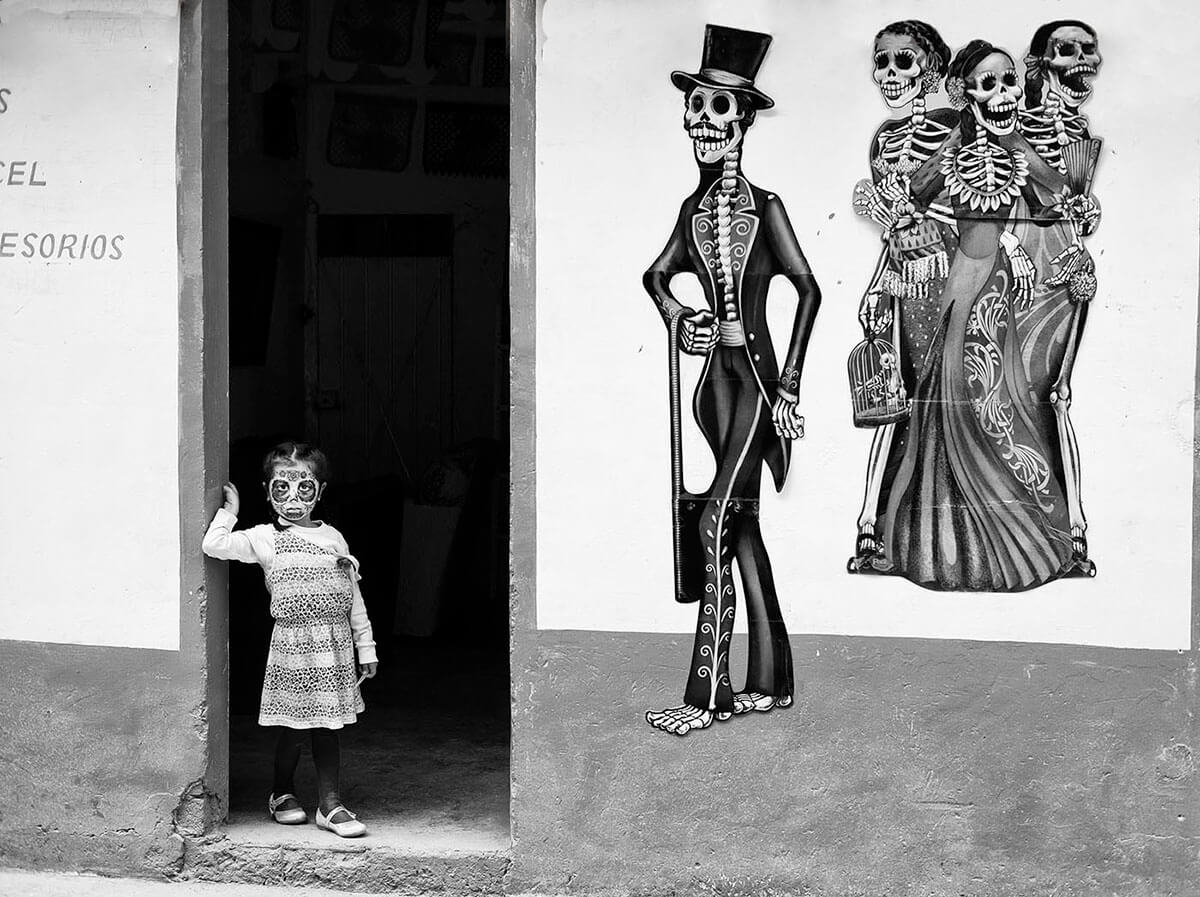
676 450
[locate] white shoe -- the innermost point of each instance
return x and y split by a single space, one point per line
294 816
349 829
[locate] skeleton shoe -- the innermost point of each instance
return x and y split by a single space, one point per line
350 828
290 816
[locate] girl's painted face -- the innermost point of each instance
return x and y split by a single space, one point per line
293 492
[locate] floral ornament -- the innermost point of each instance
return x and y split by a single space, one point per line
956 90
929 82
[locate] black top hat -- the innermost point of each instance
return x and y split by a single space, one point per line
731 60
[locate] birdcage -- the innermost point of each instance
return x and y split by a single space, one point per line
876 389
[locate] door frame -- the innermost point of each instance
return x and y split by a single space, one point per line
202 160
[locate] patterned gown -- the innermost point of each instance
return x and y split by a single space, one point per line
917 260
1044 324
973 506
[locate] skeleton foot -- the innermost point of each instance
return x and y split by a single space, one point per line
683 719
746 701
1081 564
868 553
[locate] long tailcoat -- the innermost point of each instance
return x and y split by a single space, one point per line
763 244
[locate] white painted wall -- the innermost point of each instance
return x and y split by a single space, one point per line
613 166
89 538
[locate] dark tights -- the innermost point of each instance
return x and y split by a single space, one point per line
327 758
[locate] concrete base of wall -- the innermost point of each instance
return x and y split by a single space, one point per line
361 866
916 768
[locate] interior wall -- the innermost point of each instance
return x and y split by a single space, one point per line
331 123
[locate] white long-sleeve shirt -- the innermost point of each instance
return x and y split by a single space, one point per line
256 545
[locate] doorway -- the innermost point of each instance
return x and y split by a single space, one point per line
368 203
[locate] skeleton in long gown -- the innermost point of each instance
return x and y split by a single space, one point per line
909 60
1063 58
974 506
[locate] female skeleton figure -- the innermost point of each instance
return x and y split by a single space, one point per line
974 506
1063 58
908 62
734 237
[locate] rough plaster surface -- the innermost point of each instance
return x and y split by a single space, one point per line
100 753
347 866
905 768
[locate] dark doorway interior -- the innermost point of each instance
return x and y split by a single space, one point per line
369 315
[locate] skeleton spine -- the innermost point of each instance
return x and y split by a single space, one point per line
723 217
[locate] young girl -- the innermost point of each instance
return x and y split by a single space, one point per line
320 619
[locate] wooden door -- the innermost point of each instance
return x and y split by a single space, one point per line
380 378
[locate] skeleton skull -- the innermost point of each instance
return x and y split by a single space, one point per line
1071 60
994 91
713 118
899 68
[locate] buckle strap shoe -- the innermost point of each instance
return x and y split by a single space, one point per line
351 828
292 816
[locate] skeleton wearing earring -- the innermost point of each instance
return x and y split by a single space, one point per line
903 300
974 505
734 237
1064 57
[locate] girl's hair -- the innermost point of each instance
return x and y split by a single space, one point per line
963 64
1035 70
927 38
297 453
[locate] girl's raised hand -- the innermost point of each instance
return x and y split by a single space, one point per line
232 502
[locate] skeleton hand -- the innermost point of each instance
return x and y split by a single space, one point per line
788 421
869 204
874 321
1075 268
698 332
1068 264
896 188
1023 270
1081 209
1086 211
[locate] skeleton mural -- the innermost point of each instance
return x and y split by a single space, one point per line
1063 58
734 237
904 296
973 496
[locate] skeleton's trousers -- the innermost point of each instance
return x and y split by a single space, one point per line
737 423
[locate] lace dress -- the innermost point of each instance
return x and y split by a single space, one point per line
320 620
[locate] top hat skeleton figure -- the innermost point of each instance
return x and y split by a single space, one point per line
734 237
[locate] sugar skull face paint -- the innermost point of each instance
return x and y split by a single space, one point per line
293 492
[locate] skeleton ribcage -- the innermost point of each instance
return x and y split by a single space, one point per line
908 147
1039 127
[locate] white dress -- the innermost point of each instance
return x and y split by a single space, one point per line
320 619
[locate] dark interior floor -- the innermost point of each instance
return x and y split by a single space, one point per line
425 767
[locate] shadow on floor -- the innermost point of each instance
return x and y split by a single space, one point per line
426 767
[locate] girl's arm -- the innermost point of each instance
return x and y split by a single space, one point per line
360 625
222 543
